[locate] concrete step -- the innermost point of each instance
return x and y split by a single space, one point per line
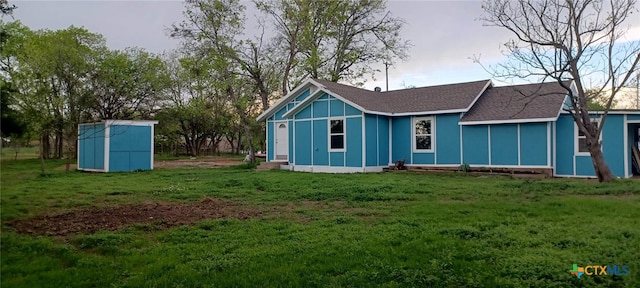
270 165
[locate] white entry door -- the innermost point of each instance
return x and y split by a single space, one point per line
282 141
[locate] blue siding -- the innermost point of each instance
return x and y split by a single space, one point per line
351 111
320 109
613 145
317 153
304 113
504 144
533 144
278 115
447 136
271 144
475 145
320 142
120 161
337 159
633 117
303 95
584 166
354 142
564 145
401 131
423 158
130 138
383 141
91 149
311 140
303 143
336 108
371 132
87 147
130 148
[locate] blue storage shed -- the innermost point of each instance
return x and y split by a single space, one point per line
116 145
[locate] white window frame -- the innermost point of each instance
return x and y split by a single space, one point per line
432 135
344 134
577 138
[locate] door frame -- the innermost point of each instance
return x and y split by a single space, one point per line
275 140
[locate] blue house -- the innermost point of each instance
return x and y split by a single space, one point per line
115 146
323 126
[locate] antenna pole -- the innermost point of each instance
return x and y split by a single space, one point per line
386 72
638 90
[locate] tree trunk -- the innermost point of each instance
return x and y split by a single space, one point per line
42 153
238 143
599 164
45 146
247 132
187 144
59 144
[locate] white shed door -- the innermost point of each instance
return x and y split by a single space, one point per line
282 141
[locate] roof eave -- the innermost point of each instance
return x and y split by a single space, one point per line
284 100
508 121
315 95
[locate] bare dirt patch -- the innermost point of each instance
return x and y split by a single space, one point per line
113 218
199 163
203 162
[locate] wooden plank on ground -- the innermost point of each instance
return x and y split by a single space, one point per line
636 158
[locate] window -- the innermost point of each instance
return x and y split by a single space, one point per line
423 134
581 140
336 134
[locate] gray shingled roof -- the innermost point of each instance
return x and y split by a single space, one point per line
412 100
530 101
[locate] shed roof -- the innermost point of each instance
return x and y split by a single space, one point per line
529 102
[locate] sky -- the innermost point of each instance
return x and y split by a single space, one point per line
445 35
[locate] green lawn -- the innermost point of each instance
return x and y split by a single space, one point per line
357 230
11 153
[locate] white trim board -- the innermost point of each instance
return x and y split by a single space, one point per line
333 169
508 121
107 147
109 122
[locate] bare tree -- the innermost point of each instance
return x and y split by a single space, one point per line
578 40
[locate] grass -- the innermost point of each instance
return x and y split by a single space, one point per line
9 153
387 229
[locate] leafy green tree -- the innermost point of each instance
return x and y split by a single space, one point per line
48 70
10 122
193 110
126 84
212 28
12 36
333 39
